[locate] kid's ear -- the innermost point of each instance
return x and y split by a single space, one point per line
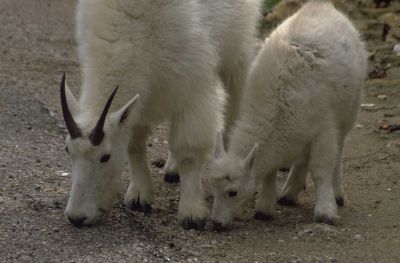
249 160
120 116
219 147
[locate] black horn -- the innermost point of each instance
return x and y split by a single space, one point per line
97 134
72 127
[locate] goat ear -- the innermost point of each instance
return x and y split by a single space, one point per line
249 160
73 104
120 116
219 146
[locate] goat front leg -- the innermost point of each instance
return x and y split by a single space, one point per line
192 210
192 138
139 196
266 202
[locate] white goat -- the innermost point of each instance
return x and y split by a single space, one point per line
301 100
177 55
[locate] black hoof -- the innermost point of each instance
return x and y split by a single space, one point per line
324 220
286 201
193 223
171 178
135 205
218 227
261 216
340 201
77 222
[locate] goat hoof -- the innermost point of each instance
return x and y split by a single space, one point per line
193 223
340 201
262 216
285 201
135 205
171 178
323 219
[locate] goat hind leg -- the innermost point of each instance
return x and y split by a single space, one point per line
323 154
337 177
296 181
171 174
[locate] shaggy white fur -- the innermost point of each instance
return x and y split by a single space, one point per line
301 100
182 57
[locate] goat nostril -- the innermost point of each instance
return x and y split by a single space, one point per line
77 222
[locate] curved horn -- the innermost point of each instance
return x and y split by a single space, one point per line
97 134
72 127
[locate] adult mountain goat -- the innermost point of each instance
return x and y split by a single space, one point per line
301 101
181 57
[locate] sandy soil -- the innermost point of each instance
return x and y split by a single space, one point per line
37 44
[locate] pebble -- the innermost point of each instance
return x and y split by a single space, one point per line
396 49
358 237
306 231
382 97
368 106
332 259
159 163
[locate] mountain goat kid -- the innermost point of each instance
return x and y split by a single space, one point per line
301 100
178 55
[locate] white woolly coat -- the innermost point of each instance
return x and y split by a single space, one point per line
307 78
173 53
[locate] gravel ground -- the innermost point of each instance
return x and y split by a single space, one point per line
37 44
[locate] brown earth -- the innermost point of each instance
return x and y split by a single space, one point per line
37 44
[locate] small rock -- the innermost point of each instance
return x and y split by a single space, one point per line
396 49
358 237
57 204
382 97
306 231
160 163
368 107
332 259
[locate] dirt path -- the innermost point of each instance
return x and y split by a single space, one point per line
37 44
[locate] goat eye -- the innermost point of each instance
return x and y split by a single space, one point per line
66 149
105 158
232 193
